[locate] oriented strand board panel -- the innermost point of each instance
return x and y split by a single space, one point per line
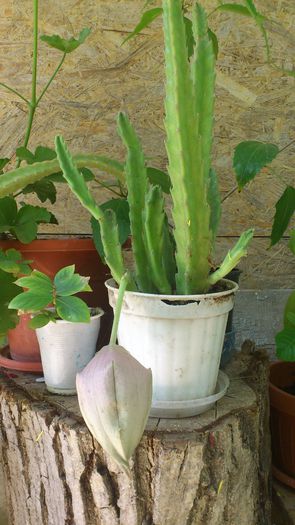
254 101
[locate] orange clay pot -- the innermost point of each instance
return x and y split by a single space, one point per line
50 255
282 420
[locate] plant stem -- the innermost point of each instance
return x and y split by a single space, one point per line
122 288
51 79
34 79
107 187
15 92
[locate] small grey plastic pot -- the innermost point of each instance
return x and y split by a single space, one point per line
66 348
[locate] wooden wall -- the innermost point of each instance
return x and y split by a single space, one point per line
254 101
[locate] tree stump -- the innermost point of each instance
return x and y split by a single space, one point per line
208 470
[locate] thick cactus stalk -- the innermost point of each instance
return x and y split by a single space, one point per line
154 225
137 185
108 224
203 74
191 212
15 180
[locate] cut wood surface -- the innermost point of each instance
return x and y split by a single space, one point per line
212 469
254 102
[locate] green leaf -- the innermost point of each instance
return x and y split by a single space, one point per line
250 157
67 283
292 241
23 153
190 41
72 309
37 282
285 208
289 311
8 288
121 209
3 163
8 213
28 218
285 344
252 9
7 263
11 261
44 190
235 8
147 18
66 45
42 153
30 301
8 318
214 41
159 178
38 321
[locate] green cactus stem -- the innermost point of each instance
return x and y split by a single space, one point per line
233 257
107 220
15 180
154 224
187 168
137 185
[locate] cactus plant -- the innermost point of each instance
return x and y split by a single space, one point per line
195 197
167 260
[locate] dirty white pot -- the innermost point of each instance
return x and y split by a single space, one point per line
181 343
65 349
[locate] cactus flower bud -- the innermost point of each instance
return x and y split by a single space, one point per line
115 395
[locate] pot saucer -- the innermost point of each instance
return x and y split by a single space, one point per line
22 366
191 407
284 478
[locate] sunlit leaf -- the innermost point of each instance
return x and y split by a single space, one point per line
72 309
147 18
250 157
292 241
285 208
235 8
159 178
285 344
63 44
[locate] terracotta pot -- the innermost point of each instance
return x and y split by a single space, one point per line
23 342
50 255
282 421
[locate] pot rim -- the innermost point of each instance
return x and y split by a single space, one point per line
234 288
277 389
59 244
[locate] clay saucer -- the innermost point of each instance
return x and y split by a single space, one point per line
284 478
22 366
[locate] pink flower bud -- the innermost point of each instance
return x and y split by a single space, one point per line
115 395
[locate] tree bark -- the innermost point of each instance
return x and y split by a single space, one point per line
208 470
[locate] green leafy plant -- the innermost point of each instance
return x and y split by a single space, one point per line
12 265
285 339
52 299
23 222
249 158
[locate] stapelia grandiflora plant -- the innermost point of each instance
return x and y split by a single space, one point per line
115 395
166 261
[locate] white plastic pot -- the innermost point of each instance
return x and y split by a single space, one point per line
65 349
179 337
